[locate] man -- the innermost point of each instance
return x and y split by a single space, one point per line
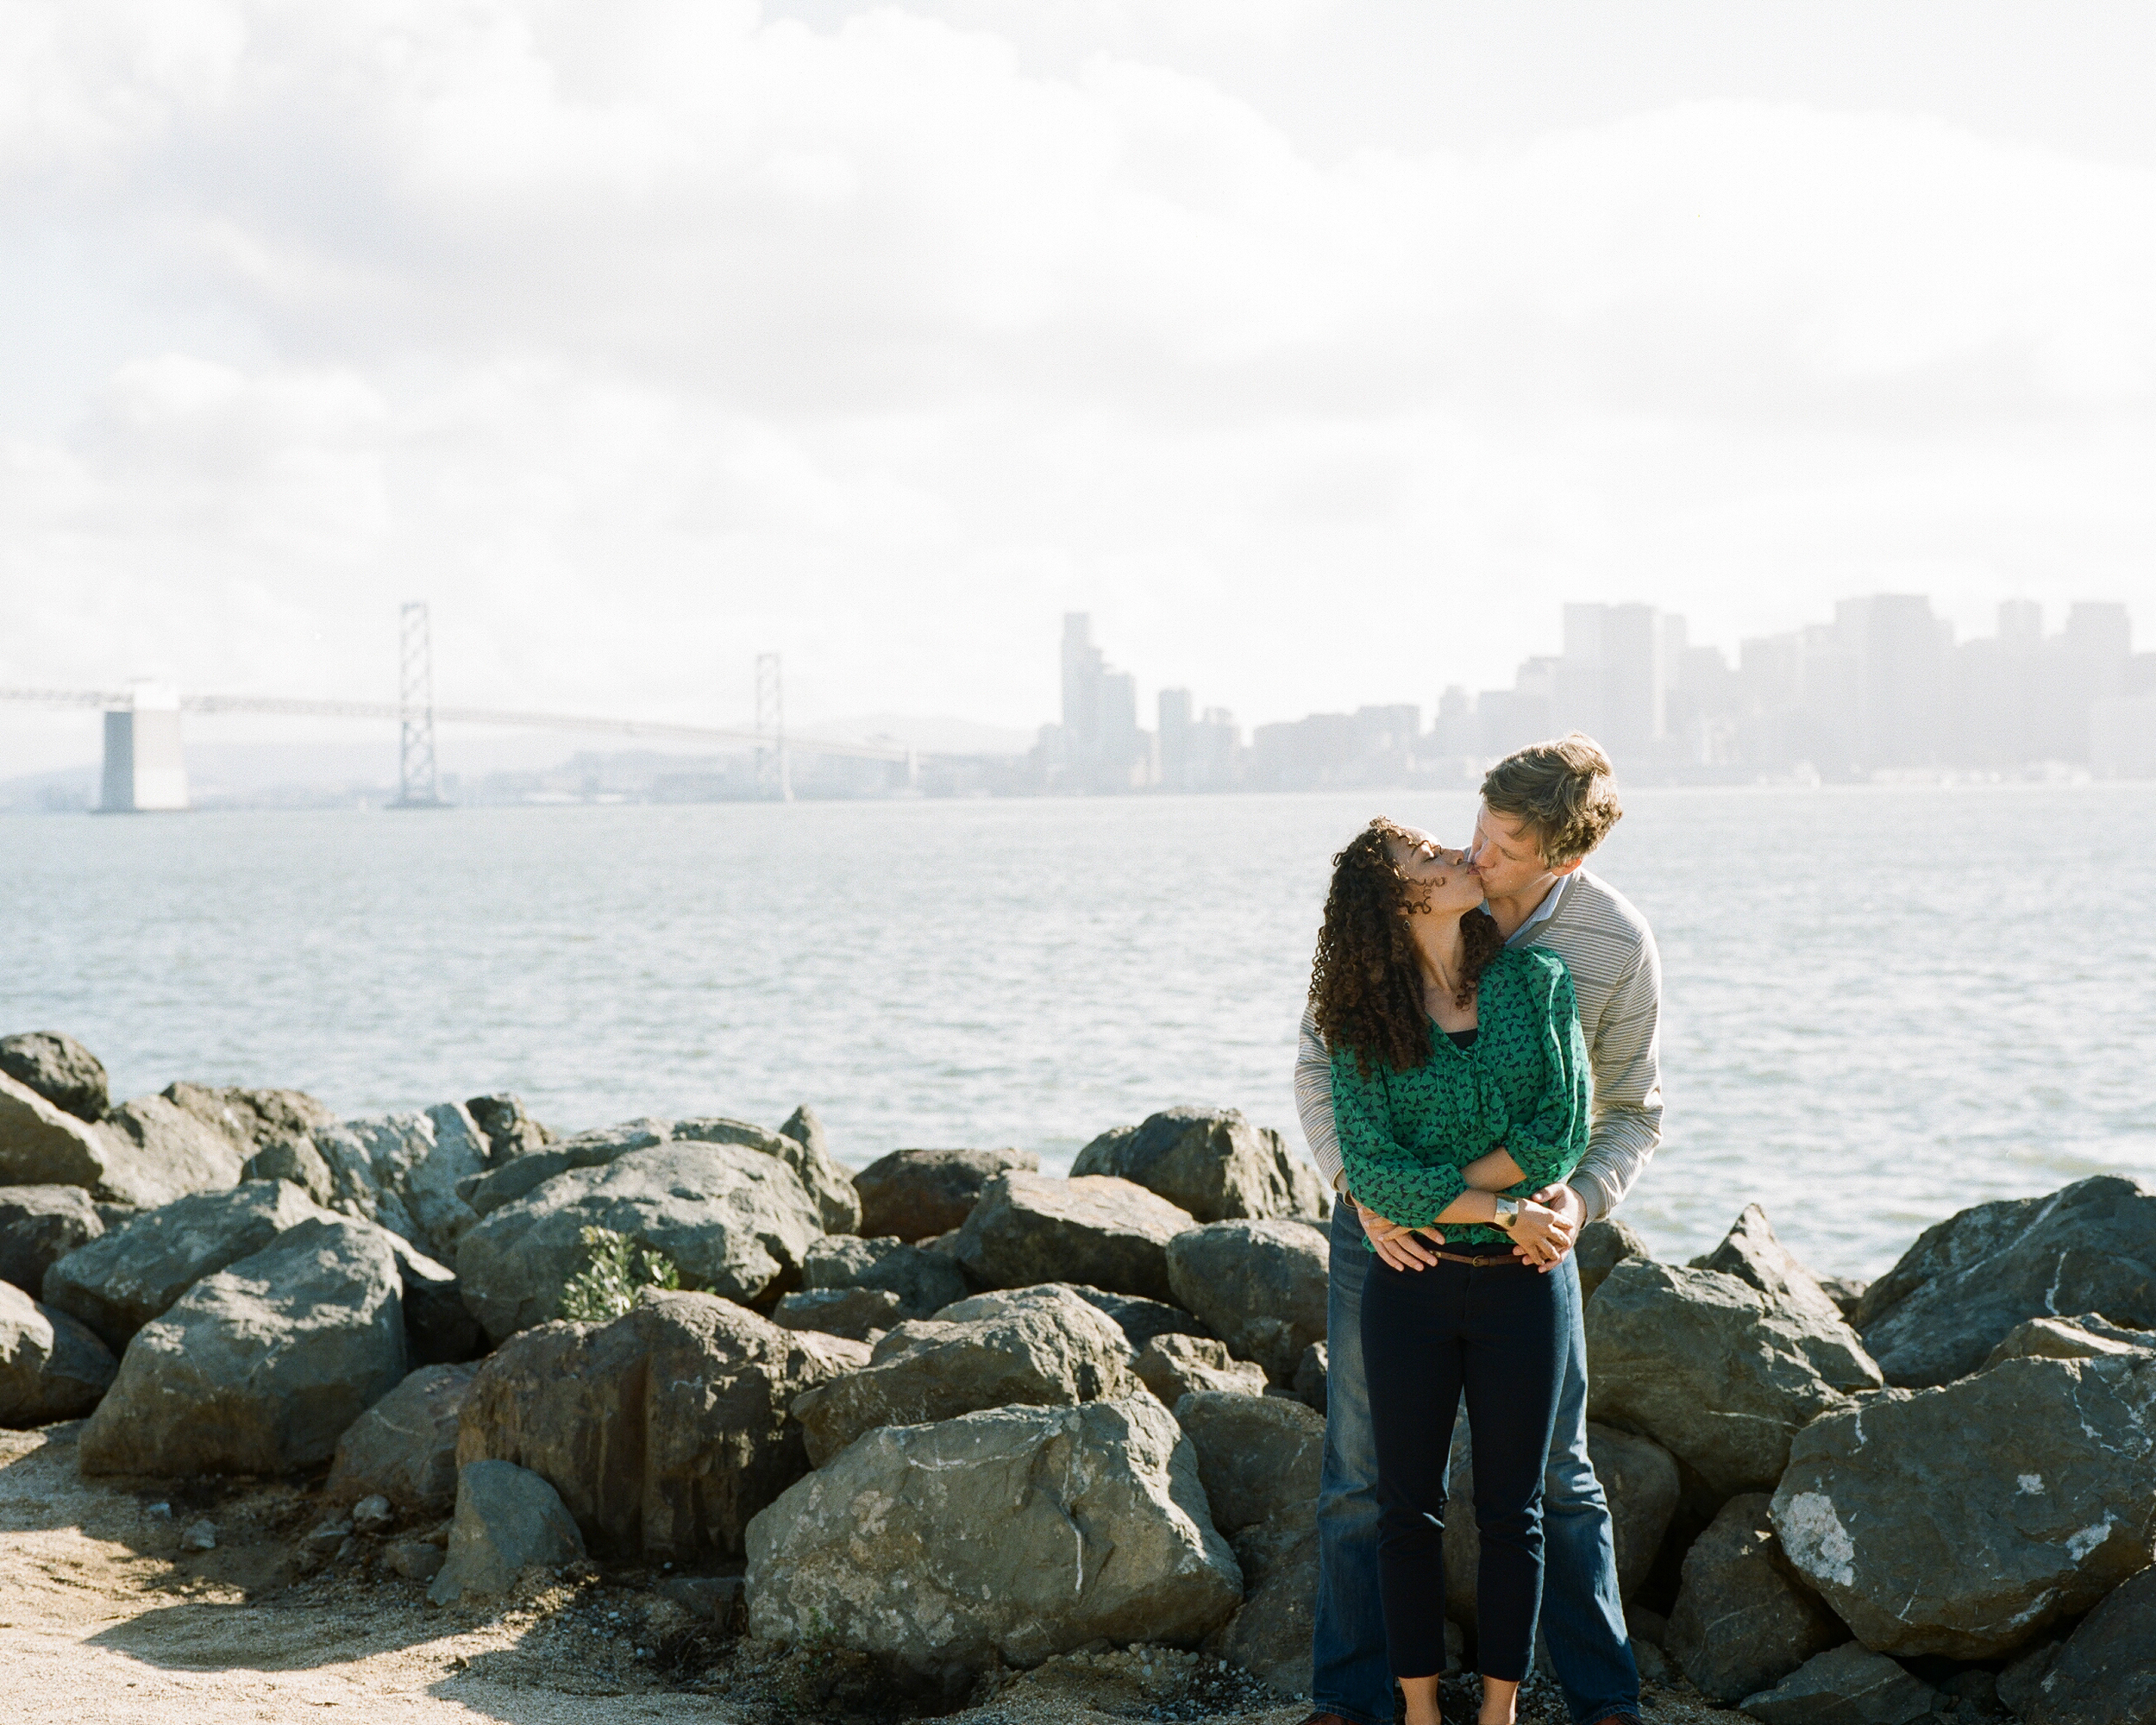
1544 811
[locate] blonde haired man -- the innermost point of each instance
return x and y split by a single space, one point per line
1544 811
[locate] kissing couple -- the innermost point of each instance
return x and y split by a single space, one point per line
1477 1078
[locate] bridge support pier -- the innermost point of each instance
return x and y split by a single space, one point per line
145 770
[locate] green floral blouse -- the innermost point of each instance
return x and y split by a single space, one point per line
1523 1087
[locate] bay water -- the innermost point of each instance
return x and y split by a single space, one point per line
1881 1004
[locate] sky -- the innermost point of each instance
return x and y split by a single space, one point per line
1320 351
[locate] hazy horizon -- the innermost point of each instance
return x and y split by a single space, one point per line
1320 353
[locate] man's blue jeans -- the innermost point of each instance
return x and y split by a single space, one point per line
1583 1617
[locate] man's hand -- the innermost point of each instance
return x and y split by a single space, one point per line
1570 1210
1397 1245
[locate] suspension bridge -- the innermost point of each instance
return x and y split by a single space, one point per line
145 763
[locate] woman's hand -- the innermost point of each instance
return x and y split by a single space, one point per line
1570 1211
1540 1235
1396 1244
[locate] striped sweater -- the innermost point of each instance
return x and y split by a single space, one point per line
1617 975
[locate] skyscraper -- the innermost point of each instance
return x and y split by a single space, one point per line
1895 654
1083 667
1632 682
1176 729
1122 750
1100 745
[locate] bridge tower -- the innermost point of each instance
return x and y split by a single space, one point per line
775 775
418 786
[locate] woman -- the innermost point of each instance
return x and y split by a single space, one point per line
1451 1049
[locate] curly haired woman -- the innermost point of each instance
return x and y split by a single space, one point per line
1449 1046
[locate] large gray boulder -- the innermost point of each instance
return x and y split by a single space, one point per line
1270 1634
59 1069
123 1160
1954 1295
1602 1246
804 1146
1717 1373
1846 1685
439 1328
43 1145
252 1118
734 1221
1173 1367
664 1430
403 1171
296 1162
2090 1335
517 1175
2106 1672
1211 1162
926 1282
1845 1291
1967 1519
404 1447
508 1520
860 1315
259 1368
1751 1253
1031 1228
1044 1348
51 1366
1257 1456
511 1131
837 1205
41 1225
525 1174
2019 1683
1312 1373
1260 1286
162 1151
121 1279
1014 1535
919 1194
1744 1619
1140 1319
1639 1479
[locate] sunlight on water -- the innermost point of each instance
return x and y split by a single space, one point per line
1880 1005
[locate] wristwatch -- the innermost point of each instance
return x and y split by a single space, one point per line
1508 1213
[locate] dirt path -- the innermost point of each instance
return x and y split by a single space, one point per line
105 1619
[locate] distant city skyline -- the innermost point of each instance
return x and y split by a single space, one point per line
1883 686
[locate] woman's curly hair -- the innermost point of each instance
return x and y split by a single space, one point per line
1366 988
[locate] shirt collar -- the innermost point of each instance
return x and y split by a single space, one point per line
1543 912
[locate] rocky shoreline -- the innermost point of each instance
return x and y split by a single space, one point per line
956 1425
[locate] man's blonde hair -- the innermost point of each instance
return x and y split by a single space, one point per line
1563 793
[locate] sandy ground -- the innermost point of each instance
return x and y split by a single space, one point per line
105 1618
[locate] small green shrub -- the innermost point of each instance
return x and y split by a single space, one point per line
615 1267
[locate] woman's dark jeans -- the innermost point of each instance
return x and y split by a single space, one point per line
1491 1329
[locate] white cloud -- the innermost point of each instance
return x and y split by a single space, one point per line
640 341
